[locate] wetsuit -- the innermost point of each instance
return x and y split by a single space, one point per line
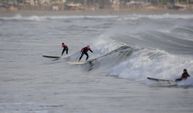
184 76
85 51
65 48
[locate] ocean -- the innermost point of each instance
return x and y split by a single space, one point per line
133 47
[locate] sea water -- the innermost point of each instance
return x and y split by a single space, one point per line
159 46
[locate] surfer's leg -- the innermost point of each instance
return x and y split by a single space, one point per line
86 56
66 50
81 56
63 51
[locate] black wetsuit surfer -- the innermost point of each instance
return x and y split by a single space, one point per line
184 76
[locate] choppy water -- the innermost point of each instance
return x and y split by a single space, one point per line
153 45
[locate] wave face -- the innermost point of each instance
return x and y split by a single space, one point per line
139 63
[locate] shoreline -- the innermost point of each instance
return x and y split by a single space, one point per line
92 13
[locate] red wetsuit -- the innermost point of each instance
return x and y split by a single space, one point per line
85 51
65 48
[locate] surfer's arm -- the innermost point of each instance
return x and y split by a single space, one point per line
188 75
90 50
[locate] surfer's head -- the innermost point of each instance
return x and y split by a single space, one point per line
88 46
185 70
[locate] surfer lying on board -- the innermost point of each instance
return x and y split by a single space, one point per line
184 76
65 48
85 51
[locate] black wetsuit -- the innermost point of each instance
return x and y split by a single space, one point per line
184 76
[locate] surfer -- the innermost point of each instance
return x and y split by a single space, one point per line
184 76
85 51
65 48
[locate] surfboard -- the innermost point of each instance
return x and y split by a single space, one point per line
157 79
163 82
77 62
48 56
82 62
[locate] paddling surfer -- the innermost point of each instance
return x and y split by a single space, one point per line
184 76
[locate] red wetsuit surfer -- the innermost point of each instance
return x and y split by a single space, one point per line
65 48
85 51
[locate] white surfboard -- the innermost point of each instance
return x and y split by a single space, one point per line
77 62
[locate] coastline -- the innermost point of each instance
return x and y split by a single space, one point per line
102 12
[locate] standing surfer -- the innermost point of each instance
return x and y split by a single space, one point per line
65 48
84 51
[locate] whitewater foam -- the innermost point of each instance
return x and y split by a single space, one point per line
152 62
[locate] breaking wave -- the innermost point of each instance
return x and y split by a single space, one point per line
135 63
